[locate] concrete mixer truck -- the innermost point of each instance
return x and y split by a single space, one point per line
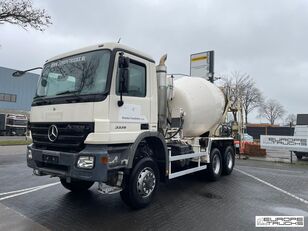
108 114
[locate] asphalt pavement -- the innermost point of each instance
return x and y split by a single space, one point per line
255 188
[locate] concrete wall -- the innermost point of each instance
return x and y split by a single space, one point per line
24 87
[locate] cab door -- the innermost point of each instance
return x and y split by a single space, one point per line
132 118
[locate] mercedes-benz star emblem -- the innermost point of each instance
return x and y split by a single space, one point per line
53 133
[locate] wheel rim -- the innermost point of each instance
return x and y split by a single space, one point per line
216 164
229 160
146 182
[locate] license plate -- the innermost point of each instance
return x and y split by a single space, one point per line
50 159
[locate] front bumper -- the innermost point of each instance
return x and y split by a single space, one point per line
64 164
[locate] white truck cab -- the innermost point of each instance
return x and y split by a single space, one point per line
98 99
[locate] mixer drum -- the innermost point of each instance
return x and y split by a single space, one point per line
202 102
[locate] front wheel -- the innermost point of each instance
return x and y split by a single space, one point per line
76 185
141 184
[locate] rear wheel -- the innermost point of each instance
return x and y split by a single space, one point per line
141 184
228 161
76 185
214 169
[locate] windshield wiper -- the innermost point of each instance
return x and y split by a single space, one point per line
38 100
74 92
68 92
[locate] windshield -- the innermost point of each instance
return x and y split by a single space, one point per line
83 74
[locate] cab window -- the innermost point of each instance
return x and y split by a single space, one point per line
136 80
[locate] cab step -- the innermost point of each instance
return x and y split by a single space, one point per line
107 189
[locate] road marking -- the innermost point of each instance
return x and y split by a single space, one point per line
21 190
25 191
272 186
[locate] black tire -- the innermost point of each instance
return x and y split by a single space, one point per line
228 161
76 185
137 198
214 169
299 156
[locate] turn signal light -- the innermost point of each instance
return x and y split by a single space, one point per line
104 160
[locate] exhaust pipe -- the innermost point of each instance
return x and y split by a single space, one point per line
161 72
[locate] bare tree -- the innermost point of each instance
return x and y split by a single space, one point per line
271 110
233 89
22 13
252 98
241 91
291 120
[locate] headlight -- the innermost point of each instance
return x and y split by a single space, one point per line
85 162
29 154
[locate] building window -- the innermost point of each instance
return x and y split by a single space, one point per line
8 97
13 98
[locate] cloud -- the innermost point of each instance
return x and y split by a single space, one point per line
266 39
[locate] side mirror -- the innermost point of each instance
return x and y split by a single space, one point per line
44 82
18 73
124 77
21 73
123 86
123 61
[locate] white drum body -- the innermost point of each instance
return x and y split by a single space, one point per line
202 102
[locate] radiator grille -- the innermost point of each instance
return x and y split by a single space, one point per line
71 136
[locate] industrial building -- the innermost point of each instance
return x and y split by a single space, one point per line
16 94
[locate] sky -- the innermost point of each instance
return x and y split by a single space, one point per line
265 39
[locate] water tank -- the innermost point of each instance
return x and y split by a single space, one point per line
202 102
